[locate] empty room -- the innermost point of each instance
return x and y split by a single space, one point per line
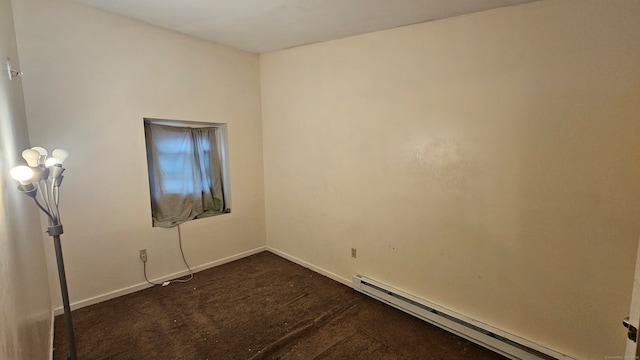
468 169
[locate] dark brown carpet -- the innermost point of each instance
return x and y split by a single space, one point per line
259 307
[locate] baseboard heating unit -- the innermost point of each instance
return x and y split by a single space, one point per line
482 334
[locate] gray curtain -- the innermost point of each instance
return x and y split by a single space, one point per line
185 175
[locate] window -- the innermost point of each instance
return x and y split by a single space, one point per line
187 170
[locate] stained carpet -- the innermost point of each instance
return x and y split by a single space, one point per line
258 307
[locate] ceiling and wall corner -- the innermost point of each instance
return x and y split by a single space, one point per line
261 26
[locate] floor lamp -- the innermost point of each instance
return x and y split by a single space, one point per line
41 181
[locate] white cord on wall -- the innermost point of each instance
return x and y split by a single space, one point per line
181 280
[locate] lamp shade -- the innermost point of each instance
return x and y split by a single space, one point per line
50 162
32 157
60 155
43 154
41 150
22 173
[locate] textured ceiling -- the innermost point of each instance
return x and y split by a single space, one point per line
266 25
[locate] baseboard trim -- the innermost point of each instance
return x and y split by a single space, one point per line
141 286
310 266
499 341
350 283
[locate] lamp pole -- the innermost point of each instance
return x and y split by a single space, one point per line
43 176
55 232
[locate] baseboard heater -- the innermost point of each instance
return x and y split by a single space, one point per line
485 335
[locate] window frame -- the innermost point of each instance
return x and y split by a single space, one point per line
223 150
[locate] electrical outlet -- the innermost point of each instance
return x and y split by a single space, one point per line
354 253
143 255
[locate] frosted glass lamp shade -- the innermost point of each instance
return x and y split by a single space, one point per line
41 150
23 174
32 157
43 154
60 155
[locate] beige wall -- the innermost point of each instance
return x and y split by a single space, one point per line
92 78
25 308
488 163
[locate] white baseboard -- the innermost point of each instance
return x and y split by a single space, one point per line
131 289
349 282
483 334
315 268
141 286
